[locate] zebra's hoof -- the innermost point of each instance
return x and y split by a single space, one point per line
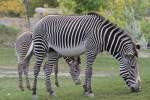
34 97
29 88
57 84
21 88
78 82
53 94
89 94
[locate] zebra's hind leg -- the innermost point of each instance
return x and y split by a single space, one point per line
20 72
56 73
88 74
48 67
26 70
37 66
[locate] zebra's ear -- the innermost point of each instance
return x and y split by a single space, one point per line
137 46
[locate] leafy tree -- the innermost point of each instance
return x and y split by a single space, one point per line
67 6
133 27
87 5
11 8
79 6
8 35
116 11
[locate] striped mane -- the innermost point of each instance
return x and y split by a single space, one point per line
96 14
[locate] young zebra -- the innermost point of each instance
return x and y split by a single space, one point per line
89 34
22 45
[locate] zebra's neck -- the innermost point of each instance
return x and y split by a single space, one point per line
113 38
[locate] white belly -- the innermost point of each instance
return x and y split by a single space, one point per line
74 51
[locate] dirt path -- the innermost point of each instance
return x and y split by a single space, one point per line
13 73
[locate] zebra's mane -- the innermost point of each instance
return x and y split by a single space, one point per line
100 16
97 15
108 21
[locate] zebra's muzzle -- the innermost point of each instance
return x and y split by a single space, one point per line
133 89
137 87
78 82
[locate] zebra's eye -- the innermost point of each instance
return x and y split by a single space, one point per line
132 66
130 57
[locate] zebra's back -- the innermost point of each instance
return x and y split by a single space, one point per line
23 42
67 34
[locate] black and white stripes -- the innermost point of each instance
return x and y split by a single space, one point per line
89 34
23 43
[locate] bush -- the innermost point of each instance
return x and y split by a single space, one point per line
145 25
11 8
79 6
8 35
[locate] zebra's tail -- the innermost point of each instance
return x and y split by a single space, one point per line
29 53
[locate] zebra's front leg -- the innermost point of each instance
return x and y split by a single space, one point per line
20 72
87 82
48 68
56 73
88 74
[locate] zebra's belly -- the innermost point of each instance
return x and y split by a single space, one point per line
74 51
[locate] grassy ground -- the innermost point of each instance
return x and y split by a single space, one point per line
104 62
105 88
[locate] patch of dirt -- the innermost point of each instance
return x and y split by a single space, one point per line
4 72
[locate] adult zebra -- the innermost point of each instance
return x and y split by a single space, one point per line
89 34
23 43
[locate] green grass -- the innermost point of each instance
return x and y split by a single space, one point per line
104 88
8 35
108 88
7 57
103 62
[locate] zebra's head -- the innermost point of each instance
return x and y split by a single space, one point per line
128 66
75 70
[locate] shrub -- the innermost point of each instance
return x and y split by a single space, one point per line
12 8
8 35
145 25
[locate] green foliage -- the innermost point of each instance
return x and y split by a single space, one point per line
87 5
145 28
115 11
135 23
104 7
8 30
132 25
7 35
140 6
79 6
67 6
